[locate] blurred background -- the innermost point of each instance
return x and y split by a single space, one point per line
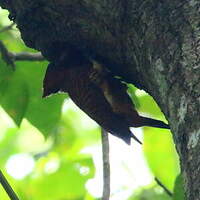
51 150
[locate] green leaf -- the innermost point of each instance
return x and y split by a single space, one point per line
132 91
8 145
148 105
161 155
43 113
149 193
14 95
68 182
179 193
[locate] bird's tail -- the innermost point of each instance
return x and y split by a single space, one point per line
136 139
154 123
126 136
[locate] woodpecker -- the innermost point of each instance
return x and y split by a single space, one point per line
102 97
115 91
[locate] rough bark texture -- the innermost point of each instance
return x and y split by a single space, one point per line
152 44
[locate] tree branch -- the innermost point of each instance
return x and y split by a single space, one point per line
106 165
7 187
11 57
26 56
163 186
6 55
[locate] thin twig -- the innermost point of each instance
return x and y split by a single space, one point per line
7 187
11 57
164 187
5 55
6 28
26 56
106 165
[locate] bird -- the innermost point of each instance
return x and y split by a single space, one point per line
101 96
115 91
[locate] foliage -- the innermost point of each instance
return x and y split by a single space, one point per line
51 135
178 188
153 192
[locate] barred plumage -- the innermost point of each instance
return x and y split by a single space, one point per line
86 95
106 102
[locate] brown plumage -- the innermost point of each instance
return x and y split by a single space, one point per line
86 95
104 99
116 94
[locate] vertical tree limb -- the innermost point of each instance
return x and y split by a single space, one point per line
106 165
7 187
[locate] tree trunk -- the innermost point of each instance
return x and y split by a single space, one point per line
153 44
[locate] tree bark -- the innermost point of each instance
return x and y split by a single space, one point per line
153 44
